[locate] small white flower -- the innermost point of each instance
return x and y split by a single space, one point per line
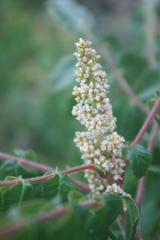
99 144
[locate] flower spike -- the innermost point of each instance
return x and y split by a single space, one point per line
99 144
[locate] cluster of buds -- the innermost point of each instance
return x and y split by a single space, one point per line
99 144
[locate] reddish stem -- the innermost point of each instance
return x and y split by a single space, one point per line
140 190
89 166
142 180
43 178
79 168
16 226
58 211
26 162
147 122
9 229
89 203
143 130
80 184
40 167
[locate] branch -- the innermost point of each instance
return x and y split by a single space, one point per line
24 161
147 122
142 181
41 167
141 184
141 133
43 178
80 184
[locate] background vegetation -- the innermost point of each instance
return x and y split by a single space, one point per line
36 78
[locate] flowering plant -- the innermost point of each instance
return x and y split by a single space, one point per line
100 144
62 201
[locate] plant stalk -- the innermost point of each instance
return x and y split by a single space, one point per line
147 122
41 167
43 178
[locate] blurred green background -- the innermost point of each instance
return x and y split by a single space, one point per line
36 85
36 75
36 45
32 115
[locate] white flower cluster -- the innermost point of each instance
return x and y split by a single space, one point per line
93 109
100 144
106 152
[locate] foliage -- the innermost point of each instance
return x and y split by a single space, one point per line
39 203
26 209
140 160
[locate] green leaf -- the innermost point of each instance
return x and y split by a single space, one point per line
157 92
124 151
146 87
15 194
138 74
75 196
29 154
9 168
14 168
150 104
112 236
131 219
81 215
59 185
80 19
99 224
62 75
131 117
140 160
112 41
19 152
102 169
35 206
155 169
130 183
71 225
48 173
133 64
58 228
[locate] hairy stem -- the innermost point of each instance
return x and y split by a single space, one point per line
147 122
26 162
141 133
41 167
80 184
58 211
43 178
142 180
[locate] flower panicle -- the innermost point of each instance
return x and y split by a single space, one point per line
99 144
